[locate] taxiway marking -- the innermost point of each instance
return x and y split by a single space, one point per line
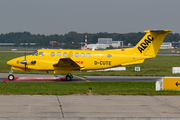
82 78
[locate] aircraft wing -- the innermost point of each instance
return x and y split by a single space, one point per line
66 64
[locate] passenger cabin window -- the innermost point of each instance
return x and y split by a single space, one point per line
52 54
82 54
77 54
58 54
71 54
64 54
88 55
41 53
108 55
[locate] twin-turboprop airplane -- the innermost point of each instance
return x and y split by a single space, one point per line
64 61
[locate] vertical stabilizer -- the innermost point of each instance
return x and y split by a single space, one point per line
149 45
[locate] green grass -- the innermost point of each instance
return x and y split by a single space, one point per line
98 88
169 51
4 57
159 66
152 67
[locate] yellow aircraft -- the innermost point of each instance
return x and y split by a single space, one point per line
64 61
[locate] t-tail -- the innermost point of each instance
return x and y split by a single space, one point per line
149 45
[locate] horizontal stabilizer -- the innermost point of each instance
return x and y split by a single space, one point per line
134 62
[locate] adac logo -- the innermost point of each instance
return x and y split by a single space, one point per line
144 44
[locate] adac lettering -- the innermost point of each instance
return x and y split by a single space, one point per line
144 44
102 62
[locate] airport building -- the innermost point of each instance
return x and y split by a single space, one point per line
117 44
108 41
166 45
7 44
103 43
176 44
97 46
13 44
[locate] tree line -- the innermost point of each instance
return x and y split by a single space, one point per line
73 39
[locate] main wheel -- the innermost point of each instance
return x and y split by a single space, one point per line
11 77
68 77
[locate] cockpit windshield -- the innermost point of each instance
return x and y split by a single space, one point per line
35 53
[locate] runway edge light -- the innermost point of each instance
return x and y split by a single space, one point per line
168 83
90 89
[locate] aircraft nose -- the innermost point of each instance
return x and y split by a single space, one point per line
10 62
17 62
14 62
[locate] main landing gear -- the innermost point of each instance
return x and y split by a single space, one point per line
11 76
69 77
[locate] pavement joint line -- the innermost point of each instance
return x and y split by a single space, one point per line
82 78
166 103
60 106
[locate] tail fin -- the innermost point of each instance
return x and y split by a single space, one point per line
149 45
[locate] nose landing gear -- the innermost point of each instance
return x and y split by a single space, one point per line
11 76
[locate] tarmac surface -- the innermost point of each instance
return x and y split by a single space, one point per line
3 76
89 106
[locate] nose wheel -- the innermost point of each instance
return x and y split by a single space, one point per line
11 76
69 77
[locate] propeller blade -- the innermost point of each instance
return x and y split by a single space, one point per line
26 62
25 68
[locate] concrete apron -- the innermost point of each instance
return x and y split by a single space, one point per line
74 106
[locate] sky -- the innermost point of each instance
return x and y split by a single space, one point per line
50 17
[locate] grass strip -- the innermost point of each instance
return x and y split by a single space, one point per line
98 88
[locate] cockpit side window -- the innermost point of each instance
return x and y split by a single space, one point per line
35 53
41 53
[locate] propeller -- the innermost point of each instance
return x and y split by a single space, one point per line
24 62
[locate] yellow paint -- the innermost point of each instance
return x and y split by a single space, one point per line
171 83
64 61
